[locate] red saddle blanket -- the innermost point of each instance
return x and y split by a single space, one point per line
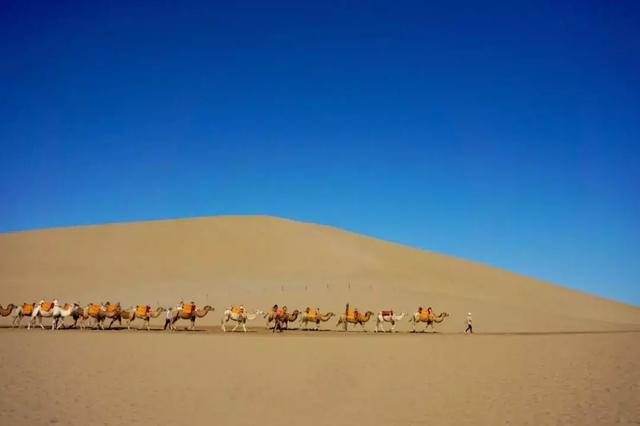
387 313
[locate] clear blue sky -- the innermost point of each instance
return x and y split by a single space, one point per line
507 133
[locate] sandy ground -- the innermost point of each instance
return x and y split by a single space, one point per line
529 366
206 377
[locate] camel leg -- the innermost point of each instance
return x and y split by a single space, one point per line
244 327
393 326
236 326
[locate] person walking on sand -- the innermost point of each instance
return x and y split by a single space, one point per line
167 318
468 321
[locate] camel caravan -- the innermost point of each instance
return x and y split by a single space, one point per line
278 319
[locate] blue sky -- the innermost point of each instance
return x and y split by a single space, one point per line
505 133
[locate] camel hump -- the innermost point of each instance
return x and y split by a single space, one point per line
27 308
94 309
46 306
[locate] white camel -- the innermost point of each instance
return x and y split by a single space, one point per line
240 316
387 316
39 313
61 313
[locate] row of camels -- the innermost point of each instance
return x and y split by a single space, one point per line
277 319
95 315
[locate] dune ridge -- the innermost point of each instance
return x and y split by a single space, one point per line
258 261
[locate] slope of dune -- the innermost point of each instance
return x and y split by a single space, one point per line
259 261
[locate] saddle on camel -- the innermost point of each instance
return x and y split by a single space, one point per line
237 310
188 309
312 313
94 309
142 311
112 308
387 313
46 306
353 315
425 314
27 308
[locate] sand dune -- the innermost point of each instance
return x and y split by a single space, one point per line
543 355
258 261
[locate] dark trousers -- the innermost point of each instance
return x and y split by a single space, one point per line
469 329
167 322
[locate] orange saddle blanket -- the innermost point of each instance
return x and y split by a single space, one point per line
187 309
424 315
312 313
141 311
93 309
111 308
351 315
46 307
27 308
236 310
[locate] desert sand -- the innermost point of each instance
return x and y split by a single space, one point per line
542 354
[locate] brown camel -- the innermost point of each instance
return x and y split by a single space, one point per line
314 316
100 313
143 312
354 317
186 313
23 311
281 316
5 312
427 317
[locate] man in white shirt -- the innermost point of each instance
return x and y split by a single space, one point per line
468 321
168 316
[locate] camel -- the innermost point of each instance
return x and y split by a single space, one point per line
429 318
187 314
99 313
281 318
43 310
5 312
21 312
314 316
387 316
354 317
141 311
60 313
239 315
